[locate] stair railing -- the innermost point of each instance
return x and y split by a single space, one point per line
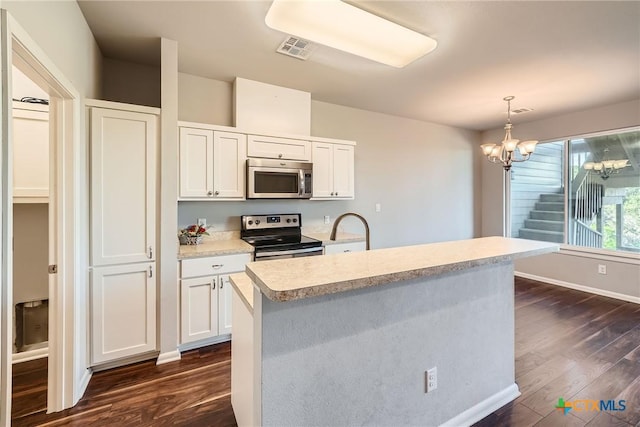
587 204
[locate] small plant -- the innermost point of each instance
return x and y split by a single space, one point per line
194 231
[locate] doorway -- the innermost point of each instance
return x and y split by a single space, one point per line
31 219
67 373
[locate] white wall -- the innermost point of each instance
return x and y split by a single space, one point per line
61 31
30 252
424 175
623 275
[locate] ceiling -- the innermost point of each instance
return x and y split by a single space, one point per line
554 57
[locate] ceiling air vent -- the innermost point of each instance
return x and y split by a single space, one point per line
521 110
296 47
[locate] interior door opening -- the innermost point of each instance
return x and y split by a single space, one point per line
32 214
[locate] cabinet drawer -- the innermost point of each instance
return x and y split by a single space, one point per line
278 148
213 265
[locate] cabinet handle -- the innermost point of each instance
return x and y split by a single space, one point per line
217 266
332 193
217 192
221 283
150 271
279 156
150 252
336 193
213 284
209 193
347 250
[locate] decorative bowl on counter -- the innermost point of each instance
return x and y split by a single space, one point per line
190 240
192 235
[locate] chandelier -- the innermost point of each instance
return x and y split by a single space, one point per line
505 152
605 168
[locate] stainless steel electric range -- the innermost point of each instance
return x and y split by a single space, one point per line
278 236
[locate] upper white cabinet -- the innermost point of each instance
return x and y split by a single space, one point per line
212 164
333 171
123 186
30 153
279 148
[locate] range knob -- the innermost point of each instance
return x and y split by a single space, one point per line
257 221
295 220
288 220
250 222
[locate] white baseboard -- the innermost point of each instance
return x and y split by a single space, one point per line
602 292
202 343
25 356
82 385
484 408
169 356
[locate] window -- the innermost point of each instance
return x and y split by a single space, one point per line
584 191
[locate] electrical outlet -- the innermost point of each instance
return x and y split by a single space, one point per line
202 222
602 269
378 207
327 219
431 380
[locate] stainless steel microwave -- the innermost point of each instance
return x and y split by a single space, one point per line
278 179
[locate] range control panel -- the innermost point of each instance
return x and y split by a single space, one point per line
259 222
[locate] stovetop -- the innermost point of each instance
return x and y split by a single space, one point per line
275 232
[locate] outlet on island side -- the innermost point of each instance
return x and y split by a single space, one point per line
327 219
602 269
431 380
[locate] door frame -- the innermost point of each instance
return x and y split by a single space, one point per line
68 362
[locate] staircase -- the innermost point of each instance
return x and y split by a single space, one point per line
546 220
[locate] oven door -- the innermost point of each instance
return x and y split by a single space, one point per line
294 253
265 182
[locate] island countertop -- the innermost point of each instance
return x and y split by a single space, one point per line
298 278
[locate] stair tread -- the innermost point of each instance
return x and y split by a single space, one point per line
533 230
546 221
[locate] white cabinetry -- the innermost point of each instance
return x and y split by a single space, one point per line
333 171
123 305
278 148
205 307
30 153
123 144
212 164
339 248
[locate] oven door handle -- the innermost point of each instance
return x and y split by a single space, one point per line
291 252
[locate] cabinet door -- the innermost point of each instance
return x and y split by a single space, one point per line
123 311
225 298
229 159
343 171
278 148
322 169
30 153
199 308
123 189
196 163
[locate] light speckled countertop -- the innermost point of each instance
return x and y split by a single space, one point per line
341 237
218 243
243 286
298 278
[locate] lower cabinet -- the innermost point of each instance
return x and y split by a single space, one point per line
339 248
123 311
205 301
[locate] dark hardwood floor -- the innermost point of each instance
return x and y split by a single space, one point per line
569 344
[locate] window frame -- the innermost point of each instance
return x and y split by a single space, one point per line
621 256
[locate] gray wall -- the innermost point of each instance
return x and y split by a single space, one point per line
30 252
359 357
130 83
623 273
424 175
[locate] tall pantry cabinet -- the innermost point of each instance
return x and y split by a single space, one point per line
123 142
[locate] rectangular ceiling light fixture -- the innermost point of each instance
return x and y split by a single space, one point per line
345 27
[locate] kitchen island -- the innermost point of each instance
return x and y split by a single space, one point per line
347 339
